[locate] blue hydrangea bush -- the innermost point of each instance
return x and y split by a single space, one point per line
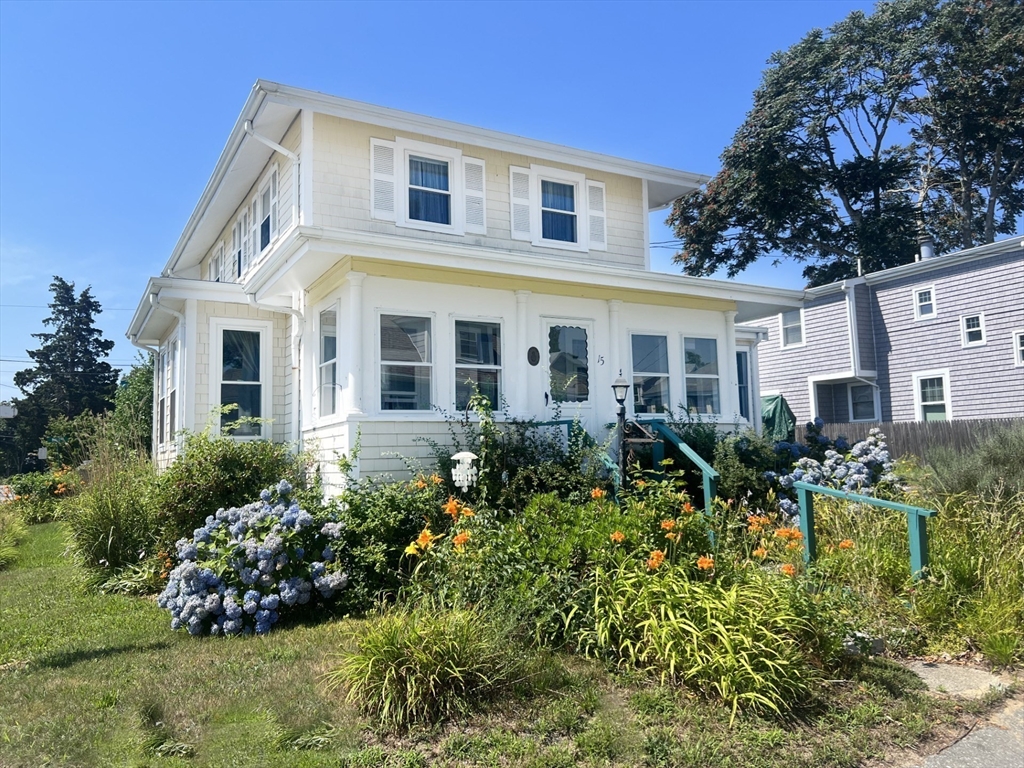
861 468
248 565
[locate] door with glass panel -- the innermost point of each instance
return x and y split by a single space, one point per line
569 358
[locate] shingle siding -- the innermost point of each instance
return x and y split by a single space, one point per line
864 312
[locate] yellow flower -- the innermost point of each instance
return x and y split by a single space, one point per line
618 537
655 560
846 544
598 493
705 563
412 549
788 570
668 525
760 552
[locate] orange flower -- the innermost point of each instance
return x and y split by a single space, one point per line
641 483
788 569
846 544
668 525
598 493
436 479
460 540
760 552
452 508
421 483
655 560
618 537
705 563
793 545
672 536
688 508
425 539
756 523
789 533
467 512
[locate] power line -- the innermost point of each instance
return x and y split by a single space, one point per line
47 306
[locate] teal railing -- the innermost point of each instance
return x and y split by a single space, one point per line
708 472
917 517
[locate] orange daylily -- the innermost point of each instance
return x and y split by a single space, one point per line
788 569
421 483
598 493
436 479
688 508
668 525
452 508
655 560
705 563
760 552
618 537
846 544
460 540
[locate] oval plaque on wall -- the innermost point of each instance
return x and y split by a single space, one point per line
533 356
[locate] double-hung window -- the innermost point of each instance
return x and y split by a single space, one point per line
237 247
430 195
558 211
216 270
267 216
241 385
972 329
743 382
792 328
477 361
405 363
650 373
931 395
862 402
555 208
167 392
1018 348
701 368
569 363
328 362
924 303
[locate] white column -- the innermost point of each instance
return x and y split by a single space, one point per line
520 398
730 403
614 358
355 332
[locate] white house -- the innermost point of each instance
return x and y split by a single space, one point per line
350 268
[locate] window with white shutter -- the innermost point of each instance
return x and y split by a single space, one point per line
474 177
382 185
598 216
519 194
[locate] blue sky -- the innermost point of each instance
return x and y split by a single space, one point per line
112 115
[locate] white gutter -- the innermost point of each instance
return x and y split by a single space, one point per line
134 339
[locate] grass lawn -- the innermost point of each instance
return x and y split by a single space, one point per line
89 679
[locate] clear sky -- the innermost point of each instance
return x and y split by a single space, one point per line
112 115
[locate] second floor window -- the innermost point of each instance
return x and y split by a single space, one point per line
973 329
268 211
477 362
558 211
924 303
430 197
405 363
792 328
650 373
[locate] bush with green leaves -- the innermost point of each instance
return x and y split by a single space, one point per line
39 494
424 665
217 472
995 466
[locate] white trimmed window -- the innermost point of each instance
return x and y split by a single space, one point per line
791 328
217 265
553 208
1018 348
241 375
700 358
406 363
266 218
477 361
931 396
328 384
234 269
924 303
862 402
167 392
650 373
972 330
743 382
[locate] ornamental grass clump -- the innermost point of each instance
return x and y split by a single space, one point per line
248 565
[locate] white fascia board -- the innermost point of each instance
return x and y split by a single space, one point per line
362 112
182 288
507 263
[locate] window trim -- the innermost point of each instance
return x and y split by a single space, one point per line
1018 348
266 330
917 304
947 399
380 362
631 400
875 404
404 148
782 330
964 331
454 338
719 347
542 173
321 418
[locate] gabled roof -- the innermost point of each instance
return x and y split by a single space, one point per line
273 107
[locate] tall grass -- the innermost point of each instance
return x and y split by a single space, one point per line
12 531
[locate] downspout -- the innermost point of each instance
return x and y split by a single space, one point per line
300 322
296 166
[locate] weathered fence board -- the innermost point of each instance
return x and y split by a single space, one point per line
917 437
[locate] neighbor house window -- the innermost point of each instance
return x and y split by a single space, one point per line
430 196
743 383
405 363
477 361
924 303
558 211
862 402
241 385
1018 347
792 328
267 216
701 368
650 374
328 362
972 329
568 363
931 395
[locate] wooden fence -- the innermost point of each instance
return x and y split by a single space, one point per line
917 437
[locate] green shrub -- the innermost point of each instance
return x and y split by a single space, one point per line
425 666
217 472
997 465
742 461
12 531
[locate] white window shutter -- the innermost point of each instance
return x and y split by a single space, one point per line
474 179
382 179
597 210
519 181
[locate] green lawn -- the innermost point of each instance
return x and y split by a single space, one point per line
97 680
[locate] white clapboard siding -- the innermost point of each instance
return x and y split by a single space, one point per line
474 176
519 182
598 215
382 161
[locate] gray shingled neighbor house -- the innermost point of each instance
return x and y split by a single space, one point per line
939 339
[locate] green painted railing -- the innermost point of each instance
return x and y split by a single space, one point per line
707 471
917 518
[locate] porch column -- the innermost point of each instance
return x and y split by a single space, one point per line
355 321
614 358
522 341
730 404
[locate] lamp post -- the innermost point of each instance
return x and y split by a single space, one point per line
620 386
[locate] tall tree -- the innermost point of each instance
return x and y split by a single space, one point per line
70 375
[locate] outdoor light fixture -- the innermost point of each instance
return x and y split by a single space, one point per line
464 473
620 386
